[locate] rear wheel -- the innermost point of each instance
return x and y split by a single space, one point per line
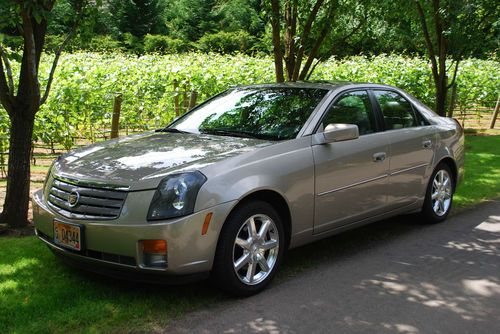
249 250
439 195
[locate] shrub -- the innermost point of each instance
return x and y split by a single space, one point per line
226 42
164 44
132 43
13 42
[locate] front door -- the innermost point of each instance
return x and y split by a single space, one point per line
350 176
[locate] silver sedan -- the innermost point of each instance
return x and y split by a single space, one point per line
227 188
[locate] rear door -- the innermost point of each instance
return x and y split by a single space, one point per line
412 143
350 176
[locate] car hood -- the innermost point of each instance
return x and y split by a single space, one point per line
138 161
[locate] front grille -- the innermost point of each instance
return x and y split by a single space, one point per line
92 203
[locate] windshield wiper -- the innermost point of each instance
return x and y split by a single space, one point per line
172 130
237 133
229 133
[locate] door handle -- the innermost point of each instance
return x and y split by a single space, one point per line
379 157
427 143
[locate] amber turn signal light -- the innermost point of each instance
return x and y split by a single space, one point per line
206 223
154 246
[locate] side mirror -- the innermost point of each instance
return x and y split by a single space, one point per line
336 132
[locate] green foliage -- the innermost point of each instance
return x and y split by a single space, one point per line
80 104
164 44
226 42
136 17
482 171
132 43
190 19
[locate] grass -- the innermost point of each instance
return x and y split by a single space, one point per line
482 171
40 294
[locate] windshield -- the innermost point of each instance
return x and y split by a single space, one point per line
268 113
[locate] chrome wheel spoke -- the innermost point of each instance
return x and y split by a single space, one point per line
263 264
264 228
435 195
251 272
243 243
436 206
446 182
269 244
252 232
242 261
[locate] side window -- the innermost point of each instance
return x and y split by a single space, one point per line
352 108
397 111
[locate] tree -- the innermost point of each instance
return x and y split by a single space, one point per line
453 29
307 25
22 101
191 19
138 17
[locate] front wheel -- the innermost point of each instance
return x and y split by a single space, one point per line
250 249
439 195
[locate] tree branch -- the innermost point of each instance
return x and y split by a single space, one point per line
428 42
57 55
304 37
5 97
317 44
454 74
8 70
331 50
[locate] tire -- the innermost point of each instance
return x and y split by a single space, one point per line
257 257
439 195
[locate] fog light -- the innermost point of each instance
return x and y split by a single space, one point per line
154 253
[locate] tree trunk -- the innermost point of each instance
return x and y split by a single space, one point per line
441 94
278 55
15 211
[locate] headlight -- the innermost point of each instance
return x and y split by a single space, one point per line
176 196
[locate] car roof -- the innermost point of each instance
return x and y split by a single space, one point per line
318 84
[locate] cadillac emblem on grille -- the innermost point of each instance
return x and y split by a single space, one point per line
73 198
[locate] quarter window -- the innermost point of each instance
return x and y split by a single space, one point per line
397 111
352 108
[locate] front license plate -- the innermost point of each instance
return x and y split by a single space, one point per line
68 235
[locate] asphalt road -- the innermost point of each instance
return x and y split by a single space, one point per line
395 276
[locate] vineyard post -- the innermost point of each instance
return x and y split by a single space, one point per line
495 113
115 124
185 101
192 100
176 97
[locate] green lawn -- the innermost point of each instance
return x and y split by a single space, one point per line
40 294
482 171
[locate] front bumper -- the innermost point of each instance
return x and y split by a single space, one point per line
112 247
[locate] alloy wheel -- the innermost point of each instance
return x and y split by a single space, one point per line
255 249
441 192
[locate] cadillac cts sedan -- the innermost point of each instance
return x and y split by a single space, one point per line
226 189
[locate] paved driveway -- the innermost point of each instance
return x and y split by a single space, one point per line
396 276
